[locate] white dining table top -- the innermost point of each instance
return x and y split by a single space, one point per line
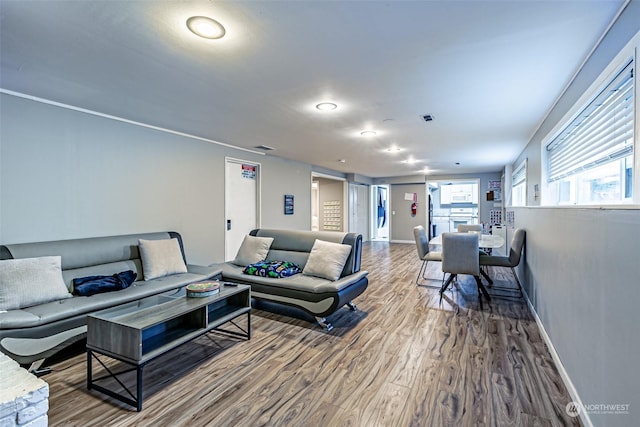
488 241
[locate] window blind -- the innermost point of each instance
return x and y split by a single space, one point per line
601 133
519 175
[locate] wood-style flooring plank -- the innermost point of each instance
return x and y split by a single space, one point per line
406 358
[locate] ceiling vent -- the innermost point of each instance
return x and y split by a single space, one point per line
427 117
264 148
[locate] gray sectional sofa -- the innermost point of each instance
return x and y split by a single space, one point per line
318 296
33 333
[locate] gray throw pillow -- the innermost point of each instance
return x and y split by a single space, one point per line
253 249
26 282
161 258
326 260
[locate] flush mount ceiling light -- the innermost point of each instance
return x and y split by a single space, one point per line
411 160
394 149
326 106
368 133
206 27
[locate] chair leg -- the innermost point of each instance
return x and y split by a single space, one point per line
486 276
446 284
509 292
422 274
423 267
481 289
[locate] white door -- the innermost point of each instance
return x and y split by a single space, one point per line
241 193
359 210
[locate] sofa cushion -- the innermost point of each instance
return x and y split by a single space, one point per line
252 250
298 282
161 258
326 260
30 281
42 314
275 269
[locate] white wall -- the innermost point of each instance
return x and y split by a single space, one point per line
66 174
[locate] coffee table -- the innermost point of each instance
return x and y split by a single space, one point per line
138 332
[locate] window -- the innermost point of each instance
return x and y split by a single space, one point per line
519 185
590 161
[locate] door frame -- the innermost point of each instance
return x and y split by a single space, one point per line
258 166
373 212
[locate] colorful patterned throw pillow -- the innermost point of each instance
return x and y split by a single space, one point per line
275 269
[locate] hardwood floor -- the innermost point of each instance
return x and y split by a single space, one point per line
402 360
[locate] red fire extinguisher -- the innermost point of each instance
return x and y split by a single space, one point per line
414 205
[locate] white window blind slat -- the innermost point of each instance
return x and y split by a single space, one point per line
520 174
601 133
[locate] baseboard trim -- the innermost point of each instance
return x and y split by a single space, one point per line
575 397
403 241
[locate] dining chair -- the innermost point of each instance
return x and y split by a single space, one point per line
511 261
422 245
460 256
465 228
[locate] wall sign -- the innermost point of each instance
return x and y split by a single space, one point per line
288 204
249 171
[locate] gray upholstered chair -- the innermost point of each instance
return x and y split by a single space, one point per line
422 245
460 256
464 228
512 261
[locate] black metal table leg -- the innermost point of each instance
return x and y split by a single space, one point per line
89 370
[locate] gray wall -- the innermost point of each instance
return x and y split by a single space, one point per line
582 273
582 267
66 174
402 222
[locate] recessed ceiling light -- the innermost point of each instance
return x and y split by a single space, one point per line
326 106
394 149
368 133
342 161
205 27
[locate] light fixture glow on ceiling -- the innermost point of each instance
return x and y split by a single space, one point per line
368 133
206 27
326 106
394 149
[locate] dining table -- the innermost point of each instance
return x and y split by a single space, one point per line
485 241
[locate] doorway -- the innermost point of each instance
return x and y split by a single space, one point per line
455 202
380 211
328 207
241 197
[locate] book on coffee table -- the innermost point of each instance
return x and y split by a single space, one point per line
203 289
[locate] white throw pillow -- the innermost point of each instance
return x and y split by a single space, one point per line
161 258
326 259
26 282
252 250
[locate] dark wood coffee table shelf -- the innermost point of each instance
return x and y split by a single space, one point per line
136 333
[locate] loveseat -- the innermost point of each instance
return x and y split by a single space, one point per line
318 296
31 333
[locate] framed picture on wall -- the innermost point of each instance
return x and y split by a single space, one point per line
288 204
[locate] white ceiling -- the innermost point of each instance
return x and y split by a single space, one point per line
488 71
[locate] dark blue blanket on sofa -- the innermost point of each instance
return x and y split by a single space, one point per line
91 285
